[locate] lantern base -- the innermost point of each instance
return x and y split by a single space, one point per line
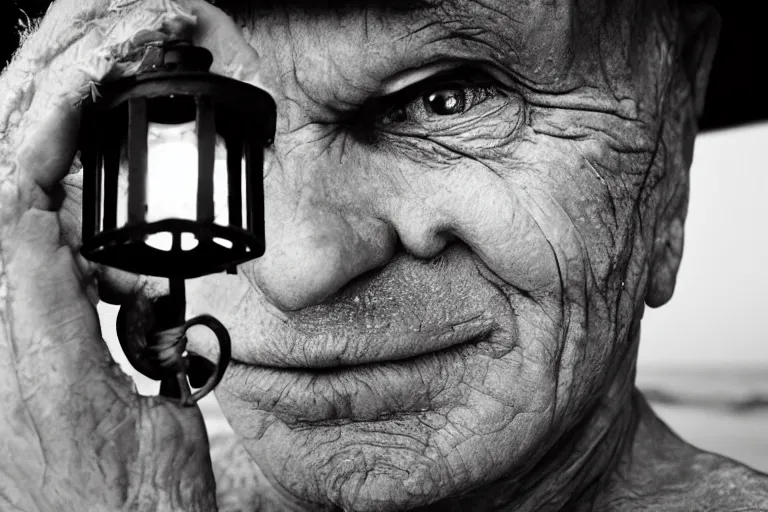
217 248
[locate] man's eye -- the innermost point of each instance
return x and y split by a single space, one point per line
437 103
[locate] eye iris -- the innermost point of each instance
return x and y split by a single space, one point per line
445 102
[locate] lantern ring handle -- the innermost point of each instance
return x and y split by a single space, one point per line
225 355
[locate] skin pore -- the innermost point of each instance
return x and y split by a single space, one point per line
468 206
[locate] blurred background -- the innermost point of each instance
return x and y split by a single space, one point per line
704 356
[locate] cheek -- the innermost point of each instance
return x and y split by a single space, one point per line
481 209
555 226
578 201
585 198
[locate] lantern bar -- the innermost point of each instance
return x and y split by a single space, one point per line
108 177
206 154
138 131
254 159
234 179
90 158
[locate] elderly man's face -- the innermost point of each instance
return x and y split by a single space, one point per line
467 204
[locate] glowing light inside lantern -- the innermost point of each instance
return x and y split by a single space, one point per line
172 178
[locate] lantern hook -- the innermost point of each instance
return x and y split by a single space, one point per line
161 353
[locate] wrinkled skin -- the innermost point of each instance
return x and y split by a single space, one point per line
448 311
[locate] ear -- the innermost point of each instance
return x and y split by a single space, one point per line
700 28
665 261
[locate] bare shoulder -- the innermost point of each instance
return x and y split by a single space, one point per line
722 484
663 472
711 483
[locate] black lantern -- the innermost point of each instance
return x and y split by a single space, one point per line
172 187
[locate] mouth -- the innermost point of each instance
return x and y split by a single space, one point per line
333 349
336 363
366 392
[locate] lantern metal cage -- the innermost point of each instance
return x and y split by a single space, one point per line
176 89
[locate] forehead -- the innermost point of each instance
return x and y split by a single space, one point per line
512 31
342 50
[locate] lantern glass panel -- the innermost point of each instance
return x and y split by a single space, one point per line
172 182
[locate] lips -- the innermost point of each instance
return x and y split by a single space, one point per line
380 344
365 392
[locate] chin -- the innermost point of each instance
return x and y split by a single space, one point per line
401 462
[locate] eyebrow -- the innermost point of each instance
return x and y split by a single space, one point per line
244 9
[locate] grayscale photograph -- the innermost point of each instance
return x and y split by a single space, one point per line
383 256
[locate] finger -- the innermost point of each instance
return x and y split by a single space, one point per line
45 154
55 335
233 56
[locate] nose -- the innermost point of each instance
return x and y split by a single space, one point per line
327 223
313 249
330 213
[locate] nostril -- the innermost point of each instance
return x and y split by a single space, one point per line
449 237
316 252
399 246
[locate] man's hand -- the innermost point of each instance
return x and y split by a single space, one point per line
74 435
